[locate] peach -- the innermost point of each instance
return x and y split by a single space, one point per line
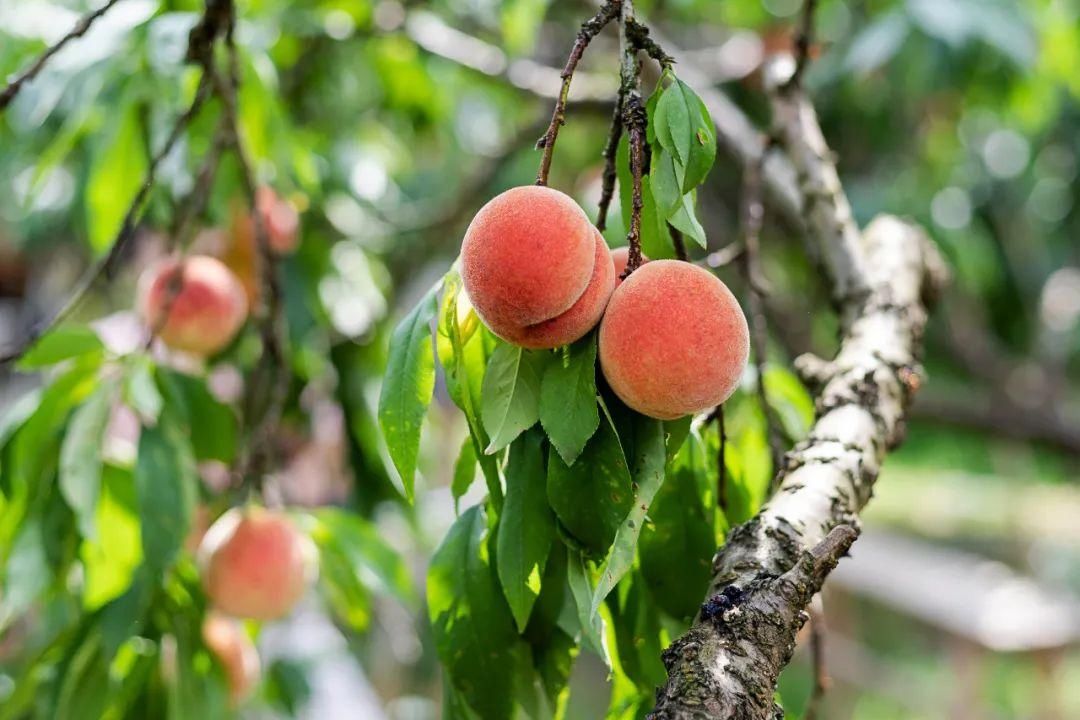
582 316
620 256
673 340
527 257
280 219
255 563
196 304
226 640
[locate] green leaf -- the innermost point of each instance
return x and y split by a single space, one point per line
464 470
554 649
684 220
655 240
66 341
703 143
636 621
510 402
17 413
790 400
463 346
80 457
366 550
649 458
581 589
473 628
166 486
141 391
211 425
111 558
526 526
338 579
407 388
592 496
665 176
27 573
115 175
84 689
676 548
674 130
568 410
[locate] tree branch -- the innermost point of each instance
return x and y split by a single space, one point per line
80 29
589 29
882 281
634 118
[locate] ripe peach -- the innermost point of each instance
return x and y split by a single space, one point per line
673 340
527 257
205 309
256 564
620 256
226 640
582 316
280 219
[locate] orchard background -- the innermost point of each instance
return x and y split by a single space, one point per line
368 135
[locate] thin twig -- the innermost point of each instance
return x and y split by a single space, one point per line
106 266
194 204
611 150
31 72
589 29
257 457
803 42
753 214
817 659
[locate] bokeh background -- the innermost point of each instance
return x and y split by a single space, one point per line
388 124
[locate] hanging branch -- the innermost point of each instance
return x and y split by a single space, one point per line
258 453
611 150
634 119
717 416
80 29
753 215
589 29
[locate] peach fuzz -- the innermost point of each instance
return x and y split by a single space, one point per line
620 256
527 257
673 340
226 640
582 316
255 563
205 310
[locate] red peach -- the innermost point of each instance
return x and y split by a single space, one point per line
256 564
226 640
673 340
527 257
205 309
581 317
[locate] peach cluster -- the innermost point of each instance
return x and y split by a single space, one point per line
254 564
673 340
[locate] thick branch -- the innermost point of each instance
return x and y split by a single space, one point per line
882 280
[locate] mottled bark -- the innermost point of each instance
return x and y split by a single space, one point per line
881 280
